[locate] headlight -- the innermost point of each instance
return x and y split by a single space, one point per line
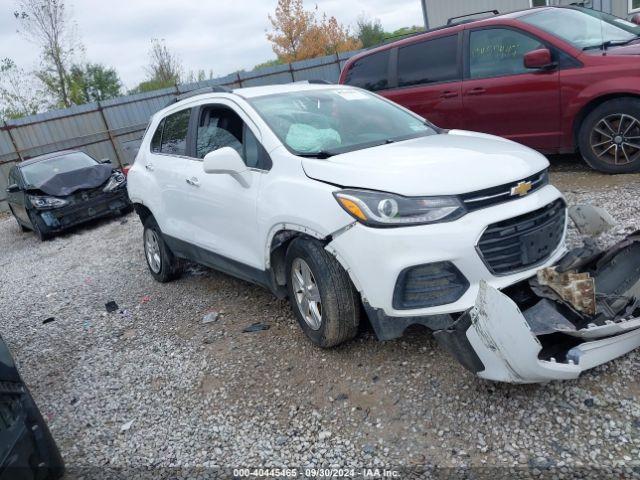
46 202
114 182
379 209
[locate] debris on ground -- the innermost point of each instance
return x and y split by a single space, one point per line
111 306
256 327
210 317
126 426
145 299
48 320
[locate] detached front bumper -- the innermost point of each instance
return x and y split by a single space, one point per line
533 334
81 210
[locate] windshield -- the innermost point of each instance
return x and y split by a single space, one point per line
39 172
583 28
322 123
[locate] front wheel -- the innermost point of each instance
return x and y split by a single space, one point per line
609 137
323 299
39 227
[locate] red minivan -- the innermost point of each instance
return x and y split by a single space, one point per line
558 79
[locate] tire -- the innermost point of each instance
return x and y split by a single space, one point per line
39 227
339 305
162 263
608 135
22 227
126 210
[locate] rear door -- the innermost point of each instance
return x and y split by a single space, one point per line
426 78
502 97
167 162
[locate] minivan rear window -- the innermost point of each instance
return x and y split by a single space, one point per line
430 61
370 72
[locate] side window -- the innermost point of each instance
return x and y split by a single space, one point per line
174 133
13 176
217 128
429 62
220 127
499 52
156 140
370 72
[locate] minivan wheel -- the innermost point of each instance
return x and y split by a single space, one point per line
321 294
163 265
609 137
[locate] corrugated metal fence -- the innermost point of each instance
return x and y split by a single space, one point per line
113 128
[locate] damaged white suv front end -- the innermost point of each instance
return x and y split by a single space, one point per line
569 318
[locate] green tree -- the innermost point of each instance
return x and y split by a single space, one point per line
21 93
403 32
47 24
369 32
93 82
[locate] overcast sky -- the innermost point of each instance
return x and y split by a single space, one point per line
223 36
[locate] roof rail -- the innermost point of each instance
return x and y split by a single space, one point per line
199 91
315 81
452 20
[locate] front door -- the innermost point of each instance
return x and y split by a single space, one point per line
222 211
502 97
17 199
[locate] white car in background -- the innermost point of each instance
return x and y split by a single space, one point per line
338 199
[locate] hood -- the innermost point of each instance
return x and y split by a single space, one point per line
64 184
446 164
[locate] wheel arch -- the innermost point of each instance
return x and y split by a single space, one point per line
279 241
591 106
143 212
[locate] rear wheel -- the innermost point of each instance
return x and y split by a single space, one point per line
39 227
609 137
323 299
162 263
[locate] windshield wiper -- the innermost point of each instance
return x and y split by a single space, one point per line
322 154
611 43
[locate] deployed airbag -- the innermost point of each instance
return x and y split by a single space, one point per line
64 184
306 138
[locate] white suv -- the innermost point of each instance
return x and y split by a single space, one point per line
338 199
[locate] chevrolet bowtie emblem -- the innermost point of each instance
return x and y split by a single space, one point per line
521 189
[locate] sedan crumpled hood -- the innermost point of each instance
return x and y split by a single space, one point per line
453 163
64 184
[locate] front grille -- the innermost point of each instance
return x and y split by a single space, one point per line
525 241
495 195
429 285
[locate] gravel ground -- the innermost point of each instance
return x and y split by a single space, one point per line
208 395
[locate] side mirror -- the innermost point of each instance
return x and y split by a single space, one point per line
227 161
104 160
13 188
539 59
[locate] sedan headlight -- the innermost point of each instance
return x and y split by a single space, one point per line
379 209
42 203
116 180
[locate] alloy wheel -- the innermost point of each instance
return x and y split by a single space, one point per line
307 294
152 250
616 139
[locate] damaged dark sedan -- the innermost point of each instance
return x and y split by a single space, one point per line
53 192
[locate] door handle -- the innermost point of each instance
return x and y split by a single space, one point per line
193 181
449 94
149 166
476 91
